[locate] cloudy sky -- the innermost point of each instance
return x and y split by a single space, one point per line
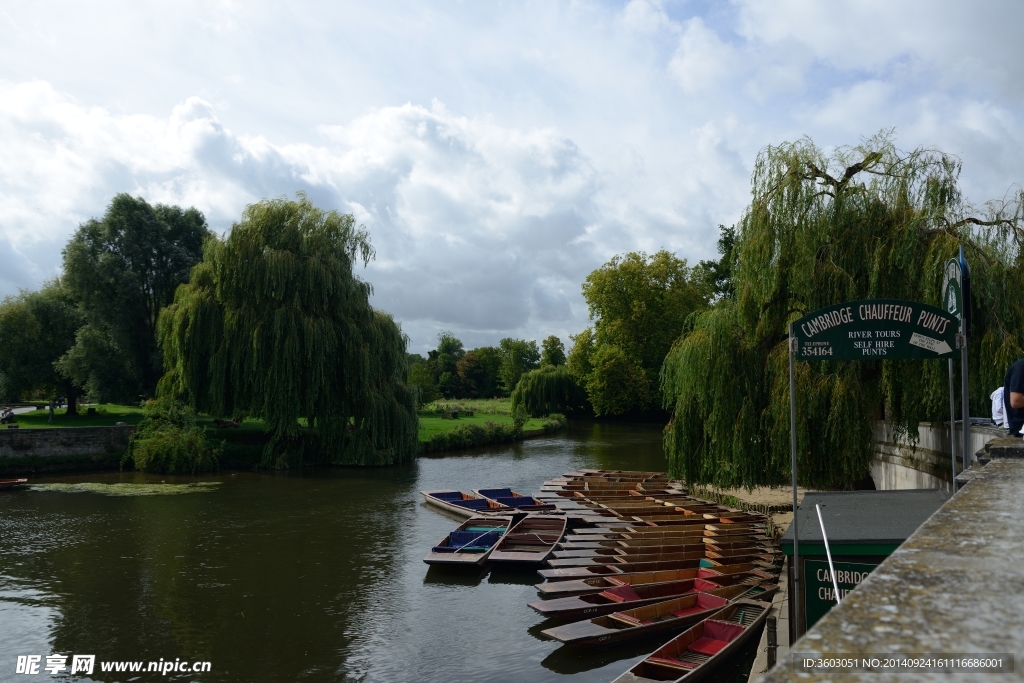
496 151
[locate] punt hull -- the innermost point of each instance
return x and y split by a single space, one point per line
674 662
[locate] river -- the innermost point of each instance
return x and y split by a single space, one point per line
308 575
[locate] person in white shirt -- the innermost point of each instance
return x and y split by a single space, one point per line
998 411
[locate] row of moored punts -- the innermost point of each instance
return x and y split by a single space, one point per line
625 556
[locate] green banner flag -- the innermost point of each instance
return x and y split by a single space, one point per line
877 329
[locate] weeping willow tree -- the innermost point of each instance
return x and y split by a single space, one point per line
864 222
549 389
274 324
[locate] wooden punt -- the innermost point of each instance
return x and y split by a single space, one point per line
640 542
642 622
510 498
613 531
470 543
617 599
531 541
564 573
737 517
629 596
464 504
693 545
627 525
12 483
743 573
647 511
748 542
695 652
693 553
697 511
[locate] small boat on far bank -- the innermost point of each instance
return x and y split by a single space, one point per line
464 504
12 483
470 543
695 652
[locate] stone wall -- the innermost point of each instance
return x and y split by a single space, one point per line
64 442
900 465
952 587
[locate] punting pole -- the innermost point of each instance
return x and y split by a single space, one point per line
828 553
792 448
952 423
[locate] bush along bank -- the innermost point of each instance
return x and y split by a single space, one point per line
473 435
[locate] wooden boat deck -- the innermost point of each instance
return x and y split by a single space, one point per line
530 541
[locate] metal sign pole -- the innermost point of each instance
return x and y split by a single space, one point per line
792 447
965 323
952 423
952 299
965 409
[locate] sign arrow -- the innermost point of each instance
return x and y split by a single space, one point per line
939 346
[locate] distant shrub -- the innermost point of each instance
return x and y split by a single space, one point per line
547 390
471 435
554 422
168 441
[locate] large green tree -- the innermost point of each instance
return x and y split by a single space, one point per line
638 304
123 269
552 352
274 324
517 357
443 362
36 329
478 370
864 222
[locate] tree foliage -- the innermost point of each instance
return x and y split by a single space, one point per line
517 357
169 441
866 222
549 389
552 352
478 372
122 270
274 324
36 329
638 304
716 276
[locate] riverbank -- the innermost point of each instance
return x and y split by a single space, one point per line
443 428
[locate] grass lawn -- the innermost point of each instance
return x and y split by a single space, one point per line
431 422
107 415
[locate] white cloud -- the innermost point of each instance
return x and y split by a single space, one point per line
703 61
569 131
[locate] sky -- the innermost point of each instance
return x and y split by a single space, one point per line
496 152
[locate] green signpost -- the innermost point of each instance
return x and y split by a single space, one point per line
952 300
876 329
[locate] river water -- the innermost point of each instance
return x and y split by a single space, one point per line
313 575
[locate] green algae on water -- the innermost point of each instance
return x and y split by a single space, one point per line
122 489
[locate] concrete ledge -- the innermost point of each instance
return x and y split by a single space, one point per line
1005 447
63 442
955 586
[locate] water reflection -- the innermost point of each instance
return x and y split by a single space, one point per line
298 576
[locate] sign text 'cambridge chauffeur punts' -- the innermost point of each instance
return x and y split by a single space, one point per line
883 329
